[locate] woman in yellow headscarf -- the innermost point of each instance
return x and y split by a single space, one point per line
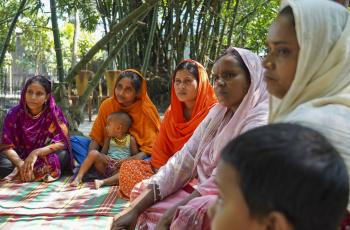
130 96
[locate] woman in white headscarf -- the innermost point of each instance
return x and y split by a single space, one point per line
308 69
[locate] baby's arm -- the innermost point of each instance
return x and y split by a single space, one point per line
133 146
106 145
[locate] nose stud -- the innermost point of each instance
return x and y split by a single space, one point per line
269 64
220 81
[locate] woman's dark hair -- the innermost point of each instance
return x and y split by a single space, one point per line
293 170
43 81
190 67
233 52
136 79
288 13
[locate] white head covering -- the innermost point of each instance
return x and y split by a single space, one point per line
319 96
323 71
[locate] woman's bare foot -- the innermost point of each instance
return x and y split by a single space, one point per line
76 182
98 183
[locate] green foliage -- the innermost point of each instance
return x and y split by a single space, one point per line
38 46
7 12
252 31
184 28
89 17
203 28
85 42
37 43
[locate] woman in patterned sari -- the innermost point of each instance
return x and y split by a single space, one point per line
35 136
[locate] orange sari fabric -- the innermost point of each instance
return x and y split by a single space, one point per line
146 121
174 133
175 130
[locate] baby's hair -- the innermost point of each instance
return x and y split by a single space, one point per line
124 117
293 170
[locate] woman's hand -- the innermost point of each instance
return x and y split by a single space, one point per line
165 222
26 171
127 219
18 164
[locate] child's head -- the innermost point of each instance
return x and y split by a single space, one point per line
280 176
118 124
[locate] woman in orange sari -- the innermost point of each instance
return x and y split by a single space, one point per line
130 96
192 97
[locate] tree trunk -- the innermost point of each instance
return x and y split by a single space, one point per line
223 30
198 33
150 41
9 34
234 15
64 102
57 42
76 36
132 17
215 31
